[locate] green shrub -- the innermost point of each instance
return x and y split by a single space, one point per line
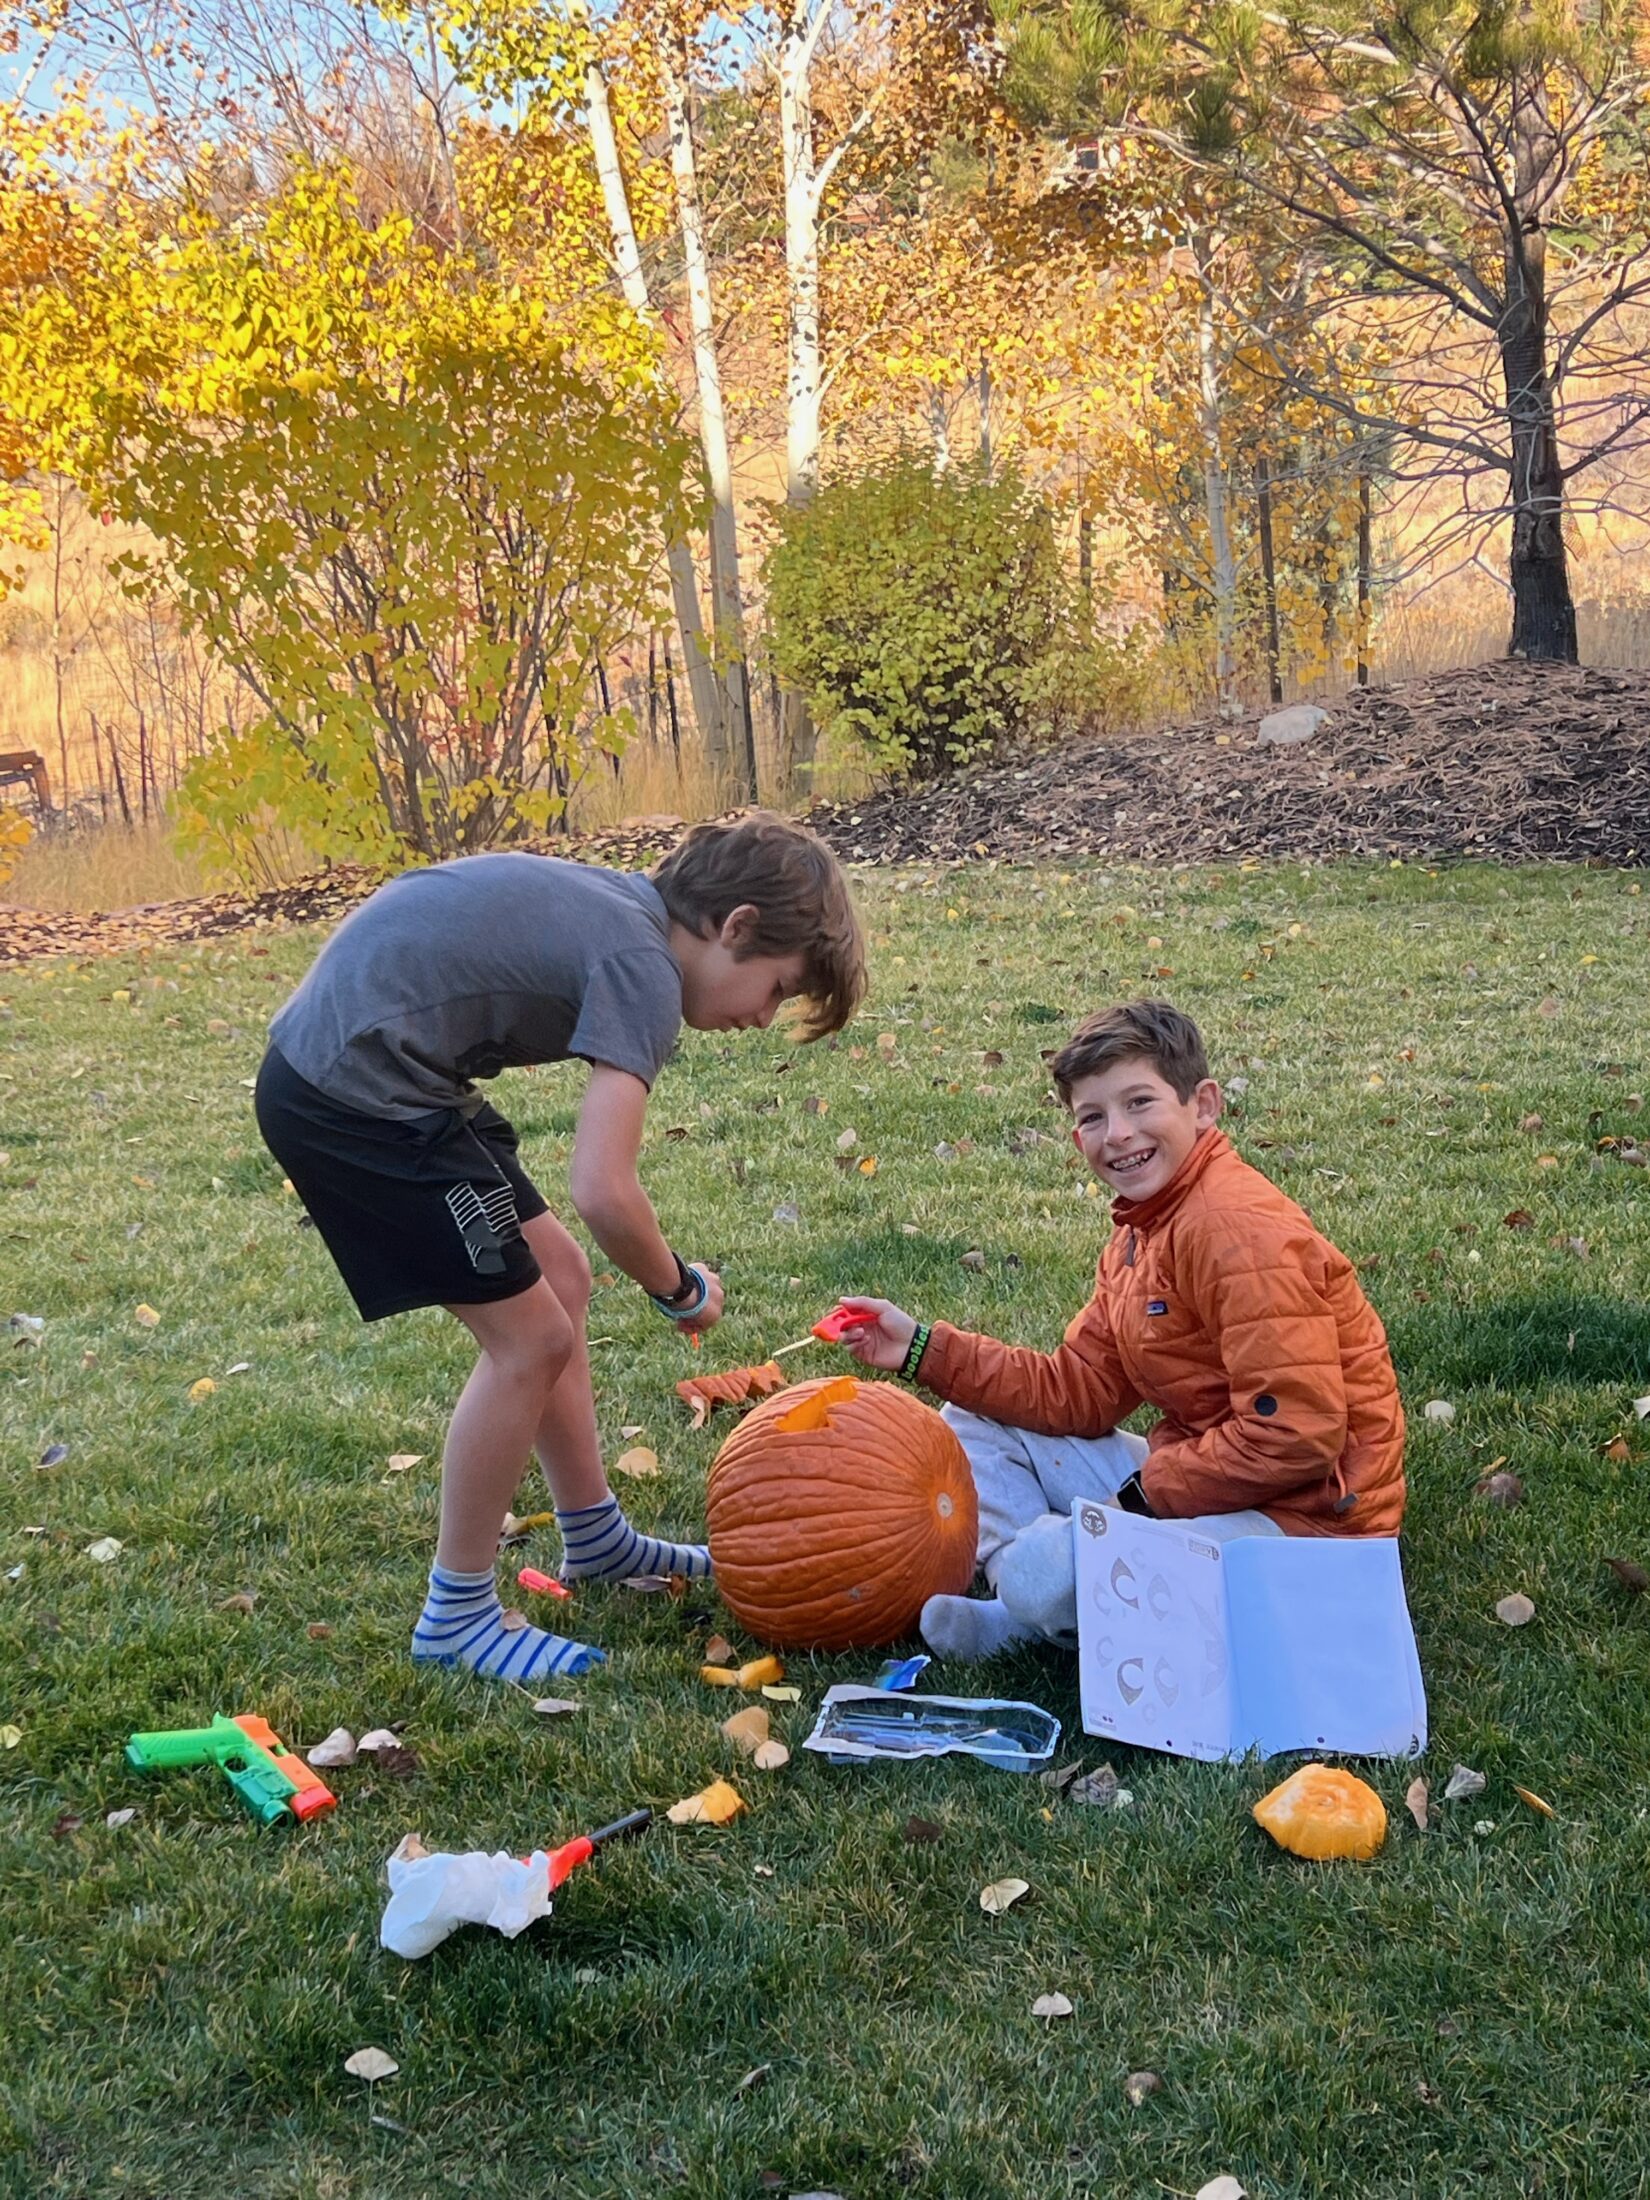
915 610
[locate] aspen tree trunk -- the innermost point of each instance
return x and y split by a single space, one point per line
737 761
1222 563
684 586
800 28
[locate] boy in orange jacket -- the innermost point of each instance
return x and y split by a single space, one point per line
1215 1301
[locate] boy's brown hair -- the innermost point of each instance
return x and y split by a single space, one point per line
1148 1031
798 890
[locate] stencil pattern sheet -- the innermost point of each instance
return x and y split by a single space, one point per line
1154 1662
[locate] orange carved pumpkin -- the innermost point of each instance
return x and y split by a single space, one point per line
835 1511
1321 1811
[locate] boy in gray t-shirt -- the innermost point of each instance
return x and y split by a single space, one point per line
366 1097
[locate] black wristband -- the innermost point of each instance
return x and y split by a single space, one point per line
686 1283
1131 1498
914 1352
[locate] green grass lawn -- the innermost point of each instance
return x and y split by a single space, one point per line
1465 2015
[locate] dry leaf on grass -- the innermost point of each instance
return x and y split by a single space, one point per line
339 1748
1630 1574
753 2078
1515 1611
65 1823
1541 1808
1139 2086
242 1602
633 1428
205 1388
639 1463
1464 1781
781 1695
554 1707
120 1817
1002 1894
1050 2006
318 1630
921 1830
10 1736
145 1317
1415 1802
719 1651
372 2064
973 1260
409 1849
712 1806
399 1462
770 1756
105 1549
704 1393
378 1740
748 1729
512 1619
1099 1789
1505 1490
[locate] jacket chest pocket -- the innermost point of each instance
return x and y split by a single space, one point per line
1163 1330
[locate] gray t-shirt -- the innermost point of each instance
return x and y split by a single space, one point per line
479 965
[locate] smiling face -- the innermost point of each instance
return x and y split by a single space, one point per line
724 989
1132 1127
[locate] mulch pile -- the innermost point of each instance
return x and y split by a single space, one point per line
1504 761
1498 761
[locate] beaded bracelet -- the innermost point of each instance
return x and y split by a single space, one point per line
914 1352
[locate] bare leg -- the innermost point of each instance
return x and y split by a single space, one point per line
599 1544
565 1438
527 1345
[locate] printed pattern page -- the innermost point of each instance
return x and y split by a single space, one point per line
1152 1659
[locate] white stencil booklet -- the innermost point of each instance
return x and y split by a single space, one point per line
1271 1643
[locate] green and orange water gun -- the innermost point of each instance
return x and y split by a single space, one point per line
271 1782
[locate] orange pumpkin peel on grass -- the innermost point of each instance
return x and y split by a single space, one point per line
835 1512
1322 1812
704 1393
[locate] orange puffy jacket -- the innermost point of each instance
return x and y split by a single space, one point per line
1217 1302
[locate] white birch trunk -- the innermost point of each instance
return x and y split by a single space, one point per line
800 27
1222 563
738 760
684 586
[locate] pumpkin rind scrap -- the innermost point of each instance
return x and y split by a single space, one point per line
834 1536
1321 1811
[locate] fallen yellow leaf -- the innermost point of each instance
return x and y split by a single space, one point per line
769 1756
10 1736
639 1463
712 1806
205 1388
145 1317
1528 1795
781 1695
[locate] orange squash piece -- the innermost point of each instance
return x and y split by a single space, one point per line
1321 1811
702 1394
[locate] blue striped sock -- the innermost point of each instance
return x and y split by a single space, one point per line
599 1544
462 1623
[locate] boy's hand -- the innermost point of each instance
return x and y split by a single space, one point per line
711 1312
883 1342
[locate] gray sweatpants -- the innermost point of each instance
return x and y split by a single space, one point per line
1028 1487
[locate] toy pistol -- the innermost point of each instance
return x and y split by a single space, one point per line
269 1780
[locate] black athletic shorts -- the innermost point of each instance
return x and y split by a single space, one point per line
426 1212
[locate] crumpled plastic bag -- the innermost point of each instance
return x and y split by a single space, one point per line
431 1896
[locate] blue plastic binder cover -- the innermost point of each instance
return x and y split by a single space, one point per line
1325 1654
